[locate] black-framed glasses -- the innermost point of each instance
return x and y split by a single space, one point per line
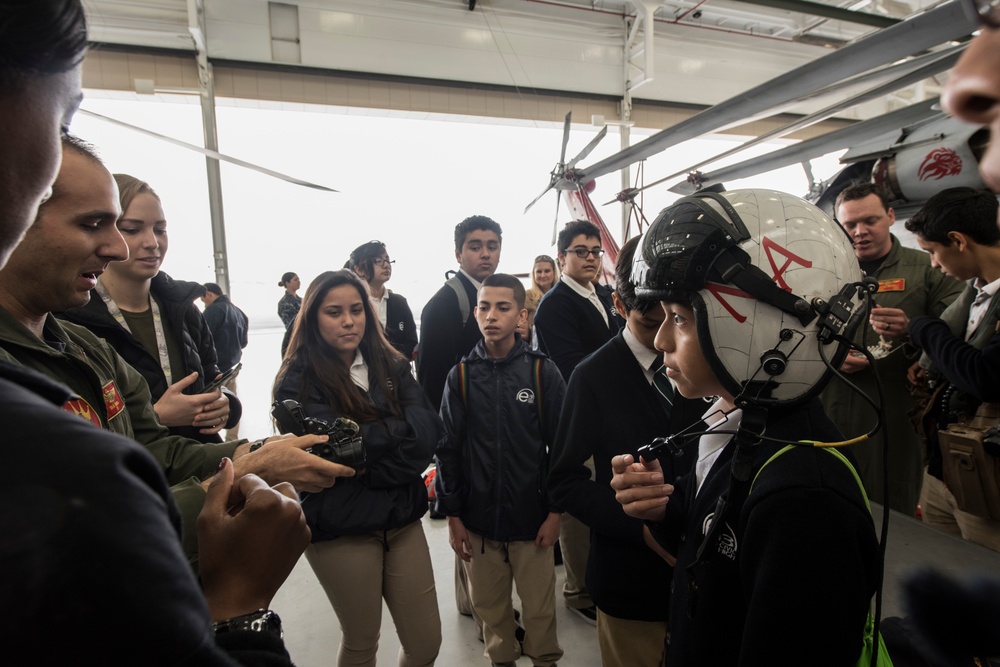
987 11
583 252
381 261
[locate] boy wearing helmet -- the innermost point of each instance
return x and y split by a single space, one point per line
776 550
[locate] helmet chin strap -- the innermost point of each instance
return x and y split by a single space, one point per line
735 268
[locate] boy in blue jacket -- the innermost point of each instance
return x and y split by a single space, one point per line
501 408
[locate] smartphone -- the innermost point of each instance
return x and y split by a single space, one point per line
222 379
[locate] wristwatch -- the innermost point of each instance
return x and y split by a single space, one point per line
257 445
262 620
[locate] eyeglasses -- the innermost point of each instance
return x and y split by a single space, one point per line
583 252
987 11
379 261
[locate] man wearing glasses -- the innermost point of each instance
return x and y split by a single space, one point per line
571 322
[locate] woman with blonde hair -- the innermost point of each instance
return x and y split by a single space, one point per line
151 321
544 276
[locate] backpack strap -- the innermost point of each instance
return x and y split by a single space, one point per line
463 382
464 307
536 379
832 452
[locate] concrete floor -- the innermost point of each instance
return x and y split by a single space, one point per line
312 633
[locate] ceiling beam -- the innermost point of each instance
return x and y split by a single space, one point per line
827 11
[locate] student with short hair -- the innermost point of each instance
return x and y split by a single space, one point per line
500 409
777 558
958 228
572 321
448 330
623 379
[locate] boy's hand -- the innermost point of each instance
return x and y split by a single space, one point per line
916 375
639 487
458 537
548 533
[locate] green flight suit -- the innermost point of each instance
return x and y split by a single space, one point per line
906 281
114 396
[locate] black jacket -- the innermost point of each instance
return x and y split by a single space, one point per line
90 531
444 338
492 465
611 409
400 329
391 493
569 327
229 326
972 368
187 325
791 579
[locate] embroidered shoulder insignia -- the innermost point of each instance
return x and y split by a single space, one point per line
112 399
82 408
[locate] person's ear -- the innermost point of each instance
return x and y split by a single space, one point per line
959 240
522 317
619 305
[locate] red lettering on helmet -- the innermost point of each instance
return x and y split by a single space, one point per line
770 247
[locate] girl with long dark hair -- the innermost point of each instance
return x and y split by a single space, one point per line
368 541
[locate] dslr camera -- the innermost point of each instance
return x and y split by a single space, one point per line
344 446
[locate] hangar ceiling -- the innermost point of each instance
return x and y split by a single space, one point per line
674 54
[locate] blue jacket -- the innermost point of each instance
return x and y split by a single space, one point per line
492 466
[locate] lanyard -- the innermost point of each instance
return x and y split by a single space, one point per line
161 338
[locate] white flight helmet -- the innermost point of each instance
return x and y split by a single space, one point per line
771 279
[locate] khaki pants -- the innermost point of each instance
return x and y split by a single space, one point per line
462 600
358 571
626 643
494 567
574 542
939 510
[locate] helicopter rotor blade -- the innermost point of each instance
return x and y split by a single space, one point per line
209 153
565 137
943 23
540 195
588 148
555 220
945 60
805 150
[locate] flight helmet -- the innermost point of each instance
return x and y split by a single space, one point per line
773 282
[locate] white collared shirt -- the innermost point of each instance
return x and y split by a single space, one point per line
587 292
711 444
475 283
381 305
984 296
359 370
643 355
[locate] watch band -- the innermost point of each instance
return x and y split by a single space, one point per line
262 620
257 445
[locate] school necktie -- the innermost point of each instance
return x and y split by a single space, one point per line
661 383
